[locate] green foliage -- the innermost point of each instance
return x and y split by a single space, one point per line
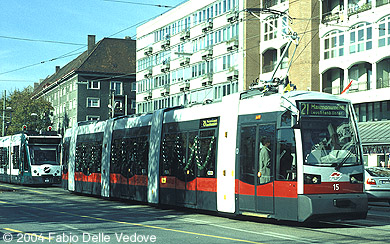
26 111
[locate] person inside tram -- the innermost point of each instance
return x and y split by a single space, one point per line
307 143
265 161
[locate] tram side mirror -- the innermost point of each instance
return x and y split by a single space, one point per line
294 121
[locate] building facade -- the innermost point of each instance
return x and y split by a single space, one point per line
193 53
355 57
97 85
204 50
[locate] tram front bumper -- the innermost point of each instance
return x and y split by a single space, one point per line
332 207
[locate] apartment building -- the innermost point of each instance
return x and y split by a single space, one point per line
355 56
97 85
204 50
195 53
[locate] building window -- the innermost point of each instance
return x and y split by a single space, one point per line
133 104
133 86
334 45
360 38
384 32
92 117
93 102
93 84
116 87
118 104
270 29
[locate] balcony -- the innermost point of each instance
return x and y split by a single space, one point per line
207 27
148 96
232 45
328 17
232 17
232 75
185 86
185 35
148 51
165 44
165 90
148 73
165 67
356 9
207 80
207 54
185 61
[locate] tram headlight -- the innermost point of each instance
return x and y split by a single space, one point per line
312 179
35 171
356 178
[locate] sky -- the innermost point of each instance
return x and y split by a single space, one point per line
37 35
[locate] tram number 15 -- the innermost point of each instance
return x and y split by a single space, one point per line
336 187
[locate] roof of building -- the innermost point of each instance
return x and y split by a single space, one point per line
110 56
375 132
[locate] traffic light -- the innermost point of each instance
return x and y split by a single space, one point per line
24 127
49 128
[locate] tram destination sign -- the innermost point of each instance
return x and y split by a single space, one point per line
207 123
318 109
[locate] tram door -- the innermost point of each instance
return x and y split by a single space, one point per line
186 170
256 168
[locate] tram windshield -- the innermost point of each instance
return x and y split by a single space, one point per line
330 141
44 155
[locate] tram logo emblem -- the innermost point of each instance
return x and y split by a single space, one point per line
335 176
46 170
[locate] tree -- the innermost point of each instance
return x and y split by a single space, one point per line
34 113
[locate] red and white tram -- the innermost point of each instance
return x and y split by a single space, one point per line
210 157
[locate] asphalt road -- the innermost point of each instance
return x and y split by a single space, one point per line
53 215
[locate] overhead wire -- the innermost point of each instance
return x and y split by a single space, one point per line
39 40
145 4
83 45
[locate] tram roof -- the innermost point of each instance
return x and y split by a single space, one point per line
312 95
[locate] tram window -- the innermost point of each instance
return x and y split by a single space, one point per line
286 163
132 155
286 119
15 158
96 160
266 133
25 160
65 158
169 154
192 155
125 161
115 162
329 142
88 157
206 158
142 155
180 153
247 154
80 152
43 155
3 157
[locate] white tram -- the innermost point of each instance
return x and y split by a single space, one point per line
210 157
30 159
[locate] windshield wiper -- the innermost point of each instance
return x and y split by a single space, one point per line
337 166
